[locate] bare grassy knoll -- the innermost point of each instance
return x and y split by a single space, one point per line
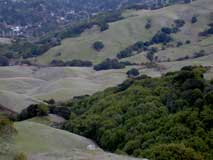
21 86
40 142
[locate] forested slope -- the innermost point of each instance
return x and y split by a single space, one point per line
156 118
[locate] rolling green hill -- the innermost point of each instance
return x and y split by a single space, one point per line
39 141
124 33
21 86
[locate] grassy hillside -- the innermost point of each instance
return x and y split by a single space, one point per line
22 86
123 33
39 141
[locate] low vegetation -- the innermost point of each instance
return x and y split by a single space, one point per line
133 73
109 64
208 31
20 156
98 46
33 111
72 63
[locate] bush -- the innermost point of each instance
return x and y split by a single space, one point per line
133 72
42 110
109 64
209 98
166 30
148 24
72 63
187 42
129 51
6 127
104 27
179 44
33 111
194 19
20 156
179 23
161 37
98 46
4 61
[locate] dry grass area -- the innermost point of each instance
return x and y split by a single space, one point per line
21 86
41 142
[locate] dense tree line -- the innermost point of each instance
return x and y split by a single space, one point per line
155 118
72 63
109 64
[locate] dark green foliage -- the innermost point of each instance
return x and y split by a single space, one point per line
33 111
156 118
98 46
174 152
161 37
148 24
209 98
150 53
20 156
169 30
7 128
72 63
179 23
4 61
60 111
179 43
109 64
187 42
133 72
104 27
132 50
194 19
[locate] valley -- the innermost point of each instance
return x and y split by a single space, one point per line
135 80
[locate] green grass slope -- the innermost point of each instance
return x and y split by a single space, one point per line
21 86
41 142
37 138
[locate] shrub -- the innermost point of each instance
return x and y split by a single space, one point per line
209 98
166 30
179 23
42 110
161 37
179 44
187 42
98 46
72 63
194 19
6 127
104 27
4 61
109 64
133 72
20 156
33 111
